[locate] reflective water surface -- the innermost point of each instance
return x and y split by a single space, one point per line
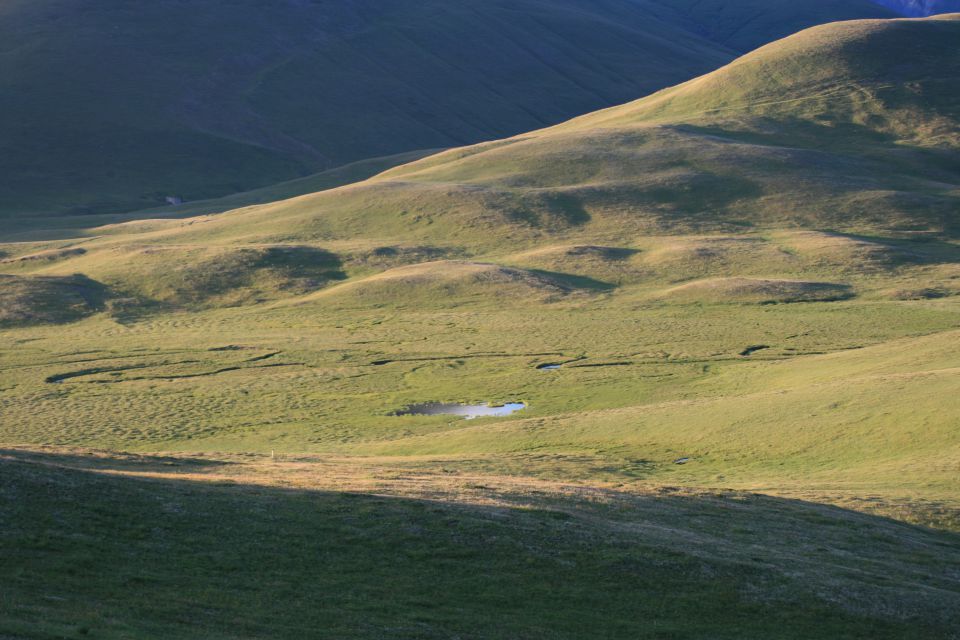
468 411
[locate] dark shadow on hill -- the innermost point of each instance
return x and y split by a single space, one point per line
73 224
606 253
697 196
574 281
919 248
115 555
109 461
549 209
323 181
880 151
36 300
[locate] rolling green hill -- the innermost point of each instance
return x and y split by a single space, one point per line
730 311
851 128
117 105
815 222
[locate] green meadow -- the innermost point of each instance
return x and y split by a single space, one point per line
732 310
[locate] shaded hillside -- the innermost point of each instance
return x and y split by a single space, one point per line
117 105
320 556
744 25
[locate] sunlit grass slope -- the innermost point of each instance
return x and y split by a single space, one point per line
834 400
664 266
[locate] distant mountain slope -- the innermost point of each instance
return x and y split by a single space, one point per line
744 25
921 7
116 105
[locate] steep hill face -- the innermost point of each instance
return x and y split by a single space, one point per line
921 7
118 105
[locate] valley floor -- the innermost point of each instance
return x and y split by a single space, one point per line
269 488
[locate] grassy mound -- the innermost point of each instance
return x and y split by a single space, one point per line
48 300
679 258
885 78
851 253
397 255
754 290
598 264
446 283
225 276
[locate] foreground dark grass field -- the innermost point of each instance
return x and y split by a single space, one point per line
208 548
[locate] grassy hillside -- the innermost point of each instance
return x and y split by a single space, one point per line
68 226
731 310
116 106
480 243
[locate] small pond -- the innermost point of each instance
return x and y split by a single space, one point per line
468 411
